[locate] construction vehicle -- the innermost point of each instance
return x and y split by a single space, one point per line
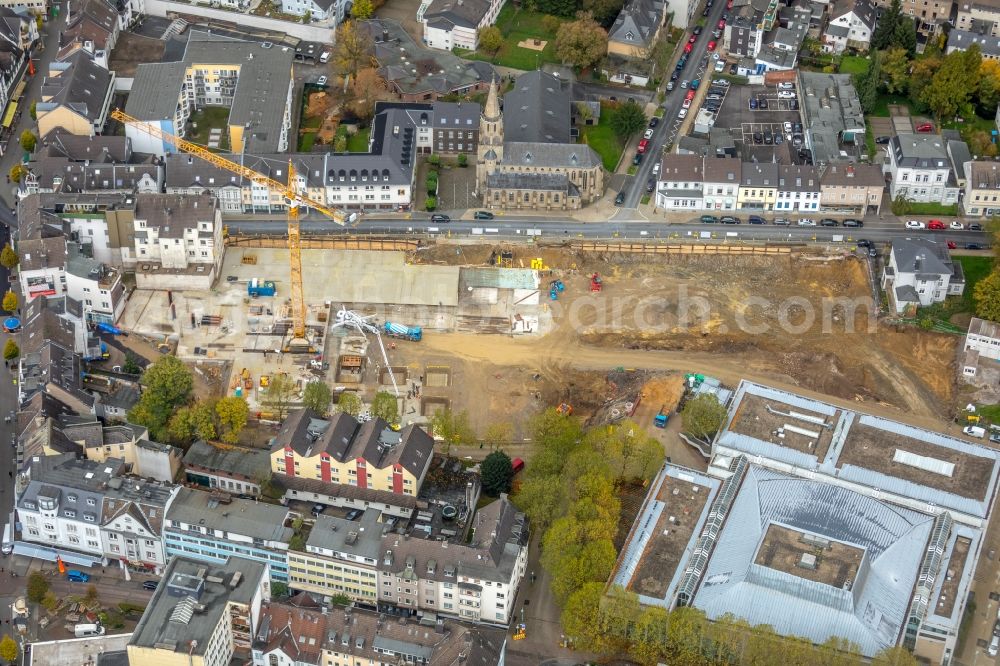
411 333
565 409
102 353
293 199
693 380
257 288
556 287
596 284
110 329
660 420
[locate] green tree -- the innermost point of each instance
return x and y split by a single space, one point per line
882 35
10 350
900 205
583 113
581 619
582 42
463 160
8 649
9 258
989 85
895 656
430 203
497 472
38 586
279 394
905 35
307 17
362 9
349 403
452 427
232 412
867 84
28 140
603 11
541 498
10 302
987 297
550 24
895 70
203 420
490 39
131 365
33 110
563 8
921 73
166 386
317 397
952 85
279 589
181 427
385 406
498 434
17 173
703 416
627 119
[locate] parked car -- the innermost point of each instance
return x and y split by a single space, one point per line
956 225
785 85
787 126
482 215
684 83
755 219
786 94
973 246
689 95
768 137
797 127
643 144
436 217
729 219
915 224
721 82
778 139
711 46
781 221
974 226
637 160
709 219
321 81
994 646
686 104
670 85
864 242
687 48
697 30
722 24
682 114
716 34
829 222
654 121
793 105
853 223
317 509
695 84
925 127
650 185
353 514
620 199
952 245
692 40
76 576
936 225
974 431
762 102
149 585
720 66
656 169
758 137
882 140
734 68
753 103
648 134
806 222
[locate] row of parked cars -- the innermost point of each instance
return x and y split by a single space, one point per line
938 225
803 222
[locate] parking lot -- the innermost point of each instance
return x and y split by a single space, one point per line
744 123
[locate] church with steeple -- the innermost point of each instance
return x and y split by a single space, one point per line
527 158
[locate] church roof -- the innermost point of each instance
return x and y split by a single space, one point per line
551 155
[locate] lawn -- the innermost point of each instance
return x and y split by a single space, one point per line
881 109
358 143
854 65
975 269
206 119
306 141
517 26
931 208
870 144
603 140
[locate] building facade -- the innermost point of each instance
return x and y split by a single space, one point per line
982 189
921 170
919 274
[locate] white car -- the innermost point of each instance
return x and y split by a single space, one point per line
786 86
956 225
915 224
656 169
806 222
686 104
321 81
721 82
648 134
786 94
788 129
720 66
715 56
682 113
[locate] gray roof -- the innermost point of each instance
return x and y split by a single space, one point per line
863 9
150 98
250 463
637 22
723 170
756 174
173 213
362 537
870 613
553 182
959 154
464 13
960 40
245 518
537 109
917 256
905 293
919 151
554 155
830 105
106 149
67 475
983 175
456 115
170 622
797 178
82 85
860 175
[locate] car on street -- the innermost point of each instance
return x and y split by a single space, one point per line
786 94
716 34
641 148
689 95
648 134
684 83
686 104
692 40
637 160
656 169
853 223
781 221
650 185
975 226
829 222
670 86
785 85
755 219
806 222
697 30
620 199
973 246
149 585
936 225
729 219
915 224
688 47
709 219
695 84
654 121
956 225
722 24
76 576
482 215
682 114
729 4
436 217
925 127
711 46
952 245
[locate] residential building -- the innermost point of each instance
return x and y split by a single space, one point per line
42 270
790 532
201 615
253 80
851 25
32 6
920 273
18 34
637 28
832 118
340 559
102 223
95 22
73 164
980 362
215 526
110 650
722 182
780 51
981 16
75 96
798 189
744 36
988 43
681 183
921 169
526 159
332 11
758 186
233 470
96 285
178 241
341 451
856 188
981 190
128 442
132 525
928 14
449 24
302 632
984 337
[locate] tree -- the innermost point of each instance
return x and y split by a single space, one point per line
498 434
953 84
703 416
895 70
363 9
385 406
8 649
905 35
989 85
317 397
490 39
10 350
279 589
279 394
895 656
9 258
452 427
627 119
38 586
580 619
33 111
921 73
603 11
463 160
166 386
181 428
232 412
352 49
583 113
308 17
987 297
28 140
581 43
550 24
203 420
131 366
867 84
497 472
10 301
17 173
882 35
367 88
349 403
430 203
564 8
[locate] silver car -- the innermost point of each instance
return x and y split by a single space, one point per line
806 222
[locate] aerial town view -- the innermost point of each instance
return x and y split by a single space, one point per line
500 332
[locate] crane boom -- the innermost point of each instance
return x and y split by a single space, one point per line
294 200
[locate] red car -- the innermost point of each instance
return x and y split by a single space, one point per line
690 95
687 48
722 23
692 40
936 225
642 146
925 127
951 245
729 5
711 46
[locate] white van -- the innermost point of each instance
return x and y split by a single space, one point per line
84 630
7 545
974 431
324 57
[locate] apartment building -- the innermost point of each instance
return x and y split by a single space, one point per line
758 186
201 614
340 558
798 189
178 241
94 284
979 362
126 442
857 188
982 189
722 182
214 526
681 182
982 16
449 24
851 25
921 169
75 96
920 273
233 470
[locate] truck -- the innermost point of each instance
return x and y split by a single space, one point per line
84 630
7 547
411 333
257 287
110 329
660 420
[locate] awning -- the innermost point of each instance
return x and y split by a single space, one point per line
18 91
49 555
8 116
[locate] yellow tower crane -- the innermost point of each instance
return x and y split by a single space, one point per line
294 199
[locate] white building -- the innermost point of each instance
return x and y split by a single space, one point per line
722 182
317 10
681 182
920 273
921 168
96 285
979 364
456 23
852 23
982 189
798 189
178 241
